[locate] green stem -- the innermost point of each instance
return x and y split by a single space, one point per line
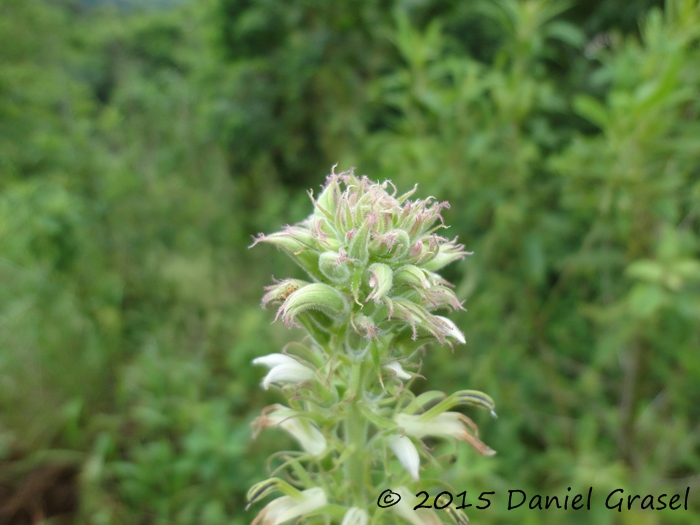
356 437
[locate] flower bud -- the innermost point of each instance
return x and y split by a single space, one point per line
380 281
448 252
315 296
393 245
278 292
358 247
462 397
412 276
441 297
449 329
336 266
424 400
364 326
267 487
328 200
299 244
420 319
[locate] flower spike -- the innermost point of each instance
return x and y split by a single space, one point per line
370 303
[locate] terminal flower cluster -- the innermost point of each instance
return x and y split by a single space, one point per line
368 304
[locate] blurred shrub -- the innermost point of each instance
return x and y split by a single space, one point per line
139 150
584 282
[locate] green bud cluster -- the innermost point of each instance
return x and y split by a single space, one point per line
372 257
368 306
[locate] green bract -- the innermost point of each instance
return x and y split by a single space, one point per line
369 304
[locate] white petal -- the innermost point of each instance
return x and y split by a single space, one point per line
313 499
355 516
273 360
303 430
290 373
398 370
283 369
272 510
448 424
412 425
404 508
445 424
406 452
286 508
450 329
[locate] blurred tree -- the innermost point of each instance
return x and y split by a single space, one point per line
140 148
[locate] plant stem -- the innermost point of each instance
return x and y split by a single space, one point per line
356 437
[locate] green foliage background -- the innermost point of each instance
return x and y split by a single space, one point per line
141 148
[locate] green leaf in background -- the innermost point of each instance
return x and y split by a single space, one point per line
591 109
140 149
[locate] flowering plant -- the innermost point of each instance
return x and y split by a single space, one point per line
368 307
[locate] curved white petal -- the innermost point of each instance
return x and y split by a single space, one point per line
450 329
294 373
404 508
406 452
304 431
283 369
313 499
355 516
398 370
286 508
273 360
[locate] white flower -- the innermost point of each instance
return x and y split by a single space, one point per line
404 508
448 424
406 451
355 516
301 428
283 369
286 508
398 370
450 329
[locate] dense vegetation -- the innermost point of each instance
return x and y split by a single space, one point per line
141 149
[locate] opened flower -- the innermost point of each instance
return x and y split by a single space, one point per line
286 508
355 516
446 424
297 425
283 369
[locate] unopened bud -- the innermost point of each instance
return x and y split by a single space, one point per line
315 296
336 266
380 281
